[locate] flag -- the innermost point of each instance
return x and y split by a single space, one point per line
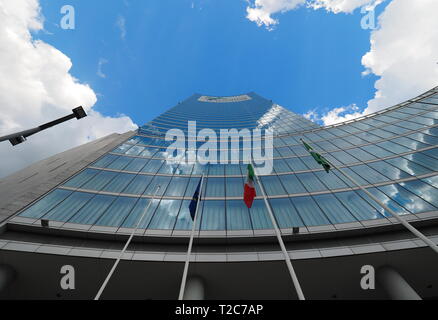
318 158
249 190
195 199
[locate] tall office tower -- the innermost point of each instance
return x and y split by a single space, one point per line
75 211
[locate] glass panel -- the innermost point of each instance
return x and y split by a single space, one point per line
311 182
117 212
119 183
330 180
232 169
136 165
216 170
272 185
369 174
410 167
68 207
138 184
135 151
39 208
432 181
100 180
424 138
78 180
296 164
393 147
333 209
423 160
104 161
360 154
280 166
285 213
153 186
184 221
138 211
309 211
120 163
406 199
361 209
388 170
234 187
165 216
382 197
259 216
213 215
215 187
152 166
292 184
94 208
411 144
423 190
177 187
377 151
237 215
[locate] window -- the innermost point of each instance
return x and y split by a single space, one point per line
141 208
333 209
92 210
311 182
272 185
165 215
68 207
285 213
78 180
309 211
117 212
361 209
213 215
237 215
38 209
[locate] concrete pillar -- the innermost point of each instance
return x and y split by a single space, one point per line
7 275
395 285
194 289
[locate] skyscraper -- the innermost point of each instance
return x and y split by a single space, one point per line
77 209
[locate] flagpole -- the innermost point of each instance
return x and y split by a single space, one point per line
108 277
189 251
280 241
405 223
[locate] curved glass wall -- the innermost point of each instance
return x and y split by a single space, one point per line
394 154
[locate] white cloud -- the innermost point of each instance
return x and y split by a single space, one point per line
36 87
345 6
403 54
261 11
312 115
100 64
403 51
341 114
121 24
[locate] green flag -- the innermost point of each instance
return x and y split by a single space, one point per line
318 158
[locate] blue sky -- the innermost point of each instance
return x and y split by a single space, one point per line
172 49
133 59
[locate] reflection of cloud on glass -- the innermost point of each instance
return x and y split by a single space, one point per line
169 207
405 199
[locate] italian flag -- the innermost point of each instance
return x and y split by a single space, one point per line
249 189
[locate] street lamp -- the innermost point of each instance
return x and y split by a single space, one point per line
20 137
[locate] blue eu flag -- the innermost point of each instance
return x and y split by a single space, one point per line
195 200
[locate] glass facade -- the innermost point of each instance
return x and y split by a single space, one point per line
394 154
